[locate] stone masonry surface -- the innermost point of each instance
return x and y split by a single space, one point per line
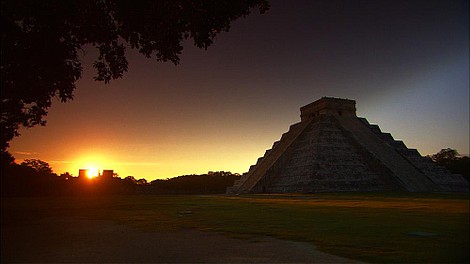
333 150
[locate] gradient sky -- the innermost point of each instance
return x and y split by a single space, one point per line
406 63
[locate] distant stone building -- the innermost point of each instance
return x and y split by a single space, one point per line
107 174
333 150
82 173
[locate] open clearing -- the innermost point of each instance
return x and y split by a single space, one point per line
254 228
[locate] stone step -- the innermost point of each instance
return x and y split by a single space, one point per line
257 171
411 179
275 144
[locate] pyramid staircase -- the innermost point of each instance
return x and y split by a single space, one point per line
249 179
411 179
438 175
330 151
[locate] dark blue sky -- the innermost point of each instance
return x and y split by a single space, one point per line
406 64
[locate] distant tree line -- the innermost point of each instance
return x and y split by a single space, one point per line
210 183
454 162
35 178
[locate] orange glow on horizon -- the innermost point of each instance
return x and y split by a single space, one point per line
92 172
173 166
93 163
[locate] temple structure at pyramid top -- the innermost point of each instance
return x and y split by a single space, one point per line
328 106
333 150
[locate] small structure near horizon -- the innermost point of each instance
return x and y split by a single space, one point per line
82 173
333 150
106 174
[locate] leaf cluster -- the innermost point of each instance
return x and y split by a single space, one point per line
41 41
455 163
38 165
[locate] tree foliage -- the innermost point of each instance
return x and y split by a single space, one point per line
41 40
35 178
210 183
445 156
31 178
455 163
38 165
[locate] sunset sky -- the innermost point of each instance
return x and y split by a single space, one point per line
406 63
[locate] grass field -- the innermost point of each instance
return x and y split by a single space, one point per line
367 227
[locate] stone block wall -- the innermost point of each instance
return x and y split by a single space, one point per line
322 159
440 176
333 150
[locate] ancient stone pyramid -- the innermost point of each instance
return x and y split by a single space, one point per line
332 150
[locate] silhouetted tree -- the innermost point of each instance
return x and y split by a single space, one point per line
40 41
210 183
131 179
16 180
6 159
66 176
445 156
31 178
450 159
38 165
141 182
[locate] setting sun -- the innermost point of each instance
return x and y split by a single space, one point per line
91 164
92 172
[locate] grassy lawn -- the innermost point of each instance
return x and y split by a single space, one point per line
367 227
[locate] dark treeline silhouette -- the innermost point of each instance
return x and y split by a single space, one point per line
455 163
210 183
35 178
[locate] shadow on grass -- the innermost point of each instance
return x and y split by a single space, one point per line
365 227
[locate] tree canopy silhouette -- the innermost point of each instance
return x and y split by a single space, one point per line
40 41
455 163
38 165
445 156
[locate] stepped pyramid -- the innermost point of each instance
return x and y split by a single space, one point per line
333 150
